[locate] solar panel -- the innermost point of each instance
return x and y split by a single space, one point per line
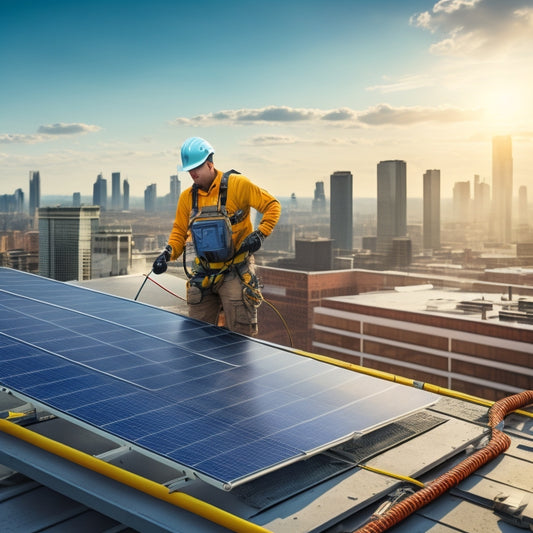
221 405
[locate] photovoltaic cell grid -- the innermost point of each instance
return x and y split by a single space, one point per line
220 404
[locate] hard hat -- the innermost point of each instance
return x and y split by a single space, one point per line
194 152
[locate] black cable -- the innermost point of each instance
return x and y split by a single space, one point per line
143 283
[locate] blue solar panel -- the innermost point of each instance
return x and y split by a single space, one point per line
222 405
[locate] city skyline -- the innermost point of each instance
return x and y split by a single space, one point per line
318 87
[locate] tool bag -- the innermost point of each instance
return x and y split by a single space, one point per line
211 226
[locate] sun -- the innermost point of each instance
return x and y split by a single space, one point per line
504 105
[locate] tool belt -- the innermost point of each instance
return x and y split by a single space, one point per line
209 276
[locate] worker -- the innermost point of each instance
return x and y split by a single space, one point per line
215 214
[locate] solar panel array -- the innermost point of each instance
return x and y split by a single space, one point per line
222 405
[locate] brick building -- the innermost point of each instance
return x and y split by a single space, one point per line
427 335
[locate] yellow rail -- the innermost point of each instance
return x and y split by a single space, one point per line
405 381
147 486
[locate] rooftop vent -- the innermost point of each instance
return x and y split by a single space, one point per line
474 306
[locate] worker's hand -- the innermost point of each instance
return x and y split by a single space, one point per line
160 264
253 242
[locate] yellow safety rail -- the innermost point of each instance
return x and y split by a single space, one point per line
405 381
147 486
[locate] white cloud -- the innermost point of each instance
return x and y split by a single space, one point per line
379 115
405 83
60 128
478 27
265 140
21 138
401 116
47 133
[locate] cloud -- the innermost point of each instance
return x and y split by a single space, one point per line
46 133
266 140
61 128
478 27
265 114
20 138
402 116
376 116
406 83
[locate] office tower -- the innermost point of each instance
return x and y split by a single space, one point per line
150 198
392 204
502 188
523 218
461 202
481 211
12 203
126 195
115 191
35 191
431 216
100 192
341 209
76 199
175 191
112 246
319 200
19 201
65 241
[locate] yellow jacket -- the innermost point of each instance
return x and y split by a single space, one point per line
242 194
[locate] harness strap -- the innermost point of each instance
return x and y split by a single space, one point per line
222 193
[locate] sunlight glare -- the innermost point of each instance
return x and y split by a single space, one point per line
503 105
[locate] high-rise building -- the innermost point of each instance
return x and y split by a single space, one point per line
115 191
100 192
12 203
431 216
76 199
461 202
65 242
523 218
126 195
112 246
392 204
175 191
341 209
150 198
35 191
481 210
319 200
502 188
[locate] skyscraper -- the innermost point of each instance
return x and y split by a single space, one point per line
392 204
461 202
431 218
319 200
341 209
175 191
65 240
100 192
523 218
481 211
150 198
126 195
115 191
502 187
35 191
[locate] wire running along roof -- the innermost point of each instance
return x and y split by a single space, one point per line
223 406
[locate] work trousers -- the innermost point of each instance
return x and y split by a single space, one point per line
227 296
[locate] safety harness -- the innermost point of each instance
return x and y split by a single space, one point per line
211 232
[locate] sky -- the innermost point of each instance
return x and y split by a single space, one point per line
287 92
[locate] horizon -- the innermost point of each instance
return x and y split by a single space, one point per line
97 88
